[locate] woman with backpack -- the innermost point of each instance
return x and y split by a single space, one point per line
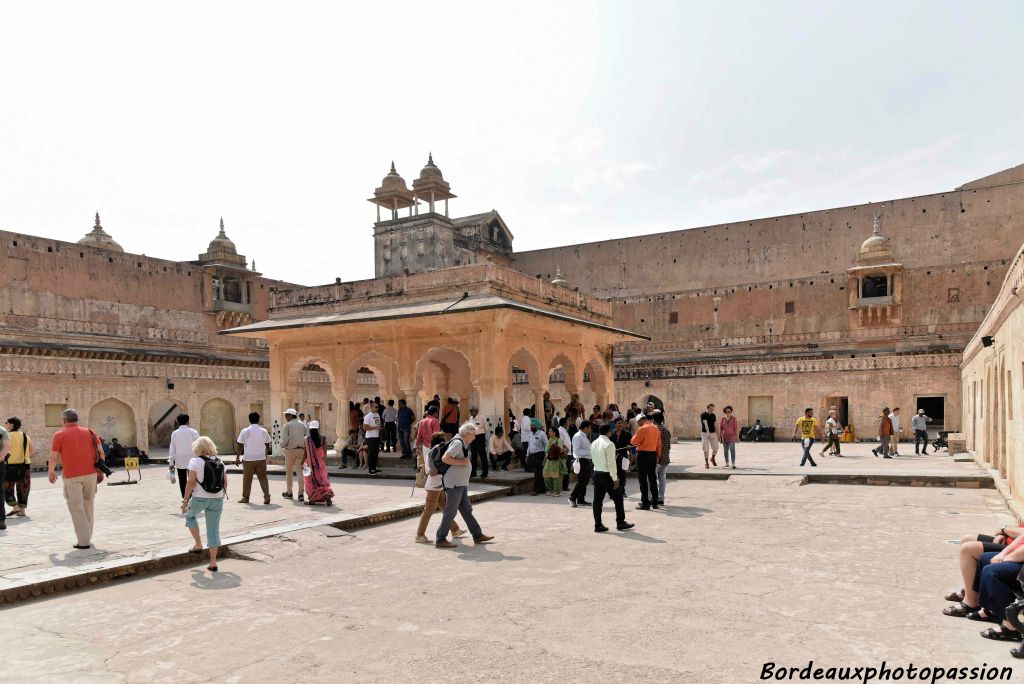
207 486
554 463
434 488
19 468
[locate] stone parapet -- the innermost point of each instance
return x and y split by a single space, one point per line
654 371
444 284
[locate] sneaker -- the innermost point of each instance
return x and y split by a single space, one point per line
243 500
286 495
625 526
445 544
572 503
602 528
482 539
301 498
459 534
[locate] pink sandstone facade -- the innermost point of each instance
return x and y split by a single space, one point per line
770 315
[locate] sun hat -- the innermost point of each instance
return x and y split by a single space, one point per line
291 412
314 425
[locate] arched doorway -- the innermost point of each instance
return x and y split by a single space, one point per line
447 373
112 419
217 421
163 417
523 378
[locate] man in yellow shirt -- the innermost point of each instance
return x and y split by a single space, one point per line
807 430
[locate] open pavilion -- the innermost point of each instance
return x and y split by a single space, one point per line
460 332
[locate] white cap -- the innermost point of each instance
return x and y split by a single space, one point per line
291 412
314 425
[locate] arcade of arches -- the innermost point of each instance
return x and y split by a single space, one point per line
497 359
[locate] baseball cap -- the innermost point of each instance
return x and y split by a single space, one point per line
314 425
291 412
920 410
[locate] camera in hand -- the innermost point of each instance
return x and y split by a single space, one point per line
102 467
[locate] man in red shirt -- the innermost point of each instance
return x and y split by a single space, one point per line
647 441
425 431
75 447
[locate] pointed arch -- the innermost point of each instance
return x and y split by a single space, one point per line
112 418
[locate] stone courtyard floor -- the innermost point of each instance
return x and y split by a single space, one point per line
728 576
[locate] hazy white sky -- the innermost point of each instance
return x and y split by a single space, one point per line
578 121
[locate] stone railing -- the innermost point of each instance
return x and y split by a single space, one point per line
826 337
451 282
786 366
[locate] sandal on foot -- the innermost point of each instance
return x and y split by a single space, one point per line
955 596
976 616
196 549
960 610
1002 634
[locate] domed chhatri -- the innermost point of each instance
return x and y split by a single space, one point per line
222 243
393 182
222 250
559 280
431 186
393 194
876 247
98 237
430 170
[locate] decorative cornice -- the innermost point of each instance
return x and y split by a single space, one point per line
785 366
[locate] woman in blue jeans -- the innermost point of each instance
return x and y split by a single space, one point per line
198 500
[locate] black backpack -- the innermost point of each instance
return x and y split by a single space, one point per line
437 452
213 475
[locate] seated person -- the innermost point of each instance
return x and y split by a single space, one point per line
351 449
117 450
500 449
997 582
972 548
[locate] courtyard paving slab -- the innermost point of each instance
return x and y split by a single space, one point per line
727 577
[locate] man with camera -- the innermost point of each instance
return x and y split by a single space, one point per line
78 451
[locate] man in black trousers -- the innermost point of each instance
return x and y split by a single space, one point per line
581 452
602 453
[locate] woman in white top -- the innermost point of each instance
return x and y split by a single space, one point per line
199 500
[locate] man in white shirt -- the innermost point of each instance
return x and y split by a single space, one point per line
252 446
181 450
581 452
478 447
371 433
896 430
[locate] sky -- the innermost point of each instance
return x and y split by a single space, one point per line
577 121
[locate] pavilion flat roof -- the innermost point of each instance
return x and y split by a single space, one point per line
419 310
